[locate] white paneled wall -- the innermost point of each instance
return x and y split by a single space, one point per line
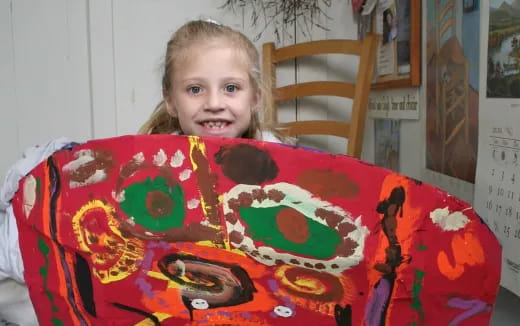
45 80
8 114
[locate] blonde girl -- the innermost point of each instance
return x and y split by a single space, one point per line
211 85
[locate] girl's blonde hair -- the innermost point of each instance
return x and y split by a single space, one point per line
193 33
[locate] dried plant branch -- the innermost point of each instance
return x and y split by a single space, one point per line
283 14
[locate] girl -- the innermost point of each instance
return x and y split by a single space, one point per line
211 85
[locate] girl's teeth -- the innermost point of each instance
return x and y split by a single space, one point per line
214 124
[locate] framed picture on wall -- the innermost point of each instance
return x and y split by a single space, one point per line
398 62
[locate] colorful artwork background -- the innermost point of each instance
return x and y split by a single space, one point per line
174 230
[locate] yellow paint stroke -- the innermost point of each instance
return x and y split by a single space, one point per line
466 251
197 144
108 239
147 322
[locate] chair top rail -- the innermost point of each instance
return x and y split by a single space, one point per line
330 88
351 47
318 127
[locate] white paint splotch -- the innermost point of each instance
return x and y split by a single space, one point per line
448 221
29 195
177 159
160 158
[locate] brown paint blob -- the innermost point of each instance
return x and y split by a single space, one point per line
159 204
328 184
245 199
102 160
206 182
275 195
246 164
259 195
319 266
187 233
231 218
345 228
346 247
236 237
128 170
330 217
293 225
234 204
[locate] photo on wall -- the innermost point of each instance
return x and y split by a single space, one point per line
503 63
452 75
387 134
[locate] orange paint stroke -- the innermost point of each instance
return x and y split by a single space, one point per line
406 227
233 318
466 251
262 302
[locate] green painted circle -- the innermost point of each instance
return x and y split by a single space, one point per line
137 197
262 226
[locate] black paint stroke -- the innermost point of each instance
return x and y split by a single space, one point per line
246 164
342 315
391 208
84 284
148 315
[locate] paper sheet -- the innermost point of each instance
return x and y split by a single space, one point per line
497 187
399 103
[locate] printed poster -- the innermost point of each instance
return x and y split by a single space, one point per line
503 65
452 69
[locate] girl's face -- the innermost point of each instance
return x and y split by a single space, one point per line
212 94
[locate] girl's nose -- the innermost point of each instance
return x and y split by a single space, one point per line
214 101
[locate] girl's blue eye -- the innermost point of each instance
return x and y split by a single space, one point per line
194 89
231 88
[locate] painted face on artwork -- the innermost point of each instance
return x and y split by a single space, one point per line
212 94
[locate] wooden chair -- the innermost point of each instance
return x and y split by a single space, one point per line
358 91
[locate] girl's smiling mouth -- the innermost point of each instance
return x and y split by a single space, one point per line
214 124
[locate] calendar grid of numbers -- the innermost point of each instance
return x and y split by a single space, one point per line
497 197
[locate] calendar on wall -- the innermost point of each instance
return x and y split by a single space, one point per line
497 187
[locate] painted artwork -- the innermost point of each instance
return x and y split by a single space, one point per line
452 88
176 230
503 72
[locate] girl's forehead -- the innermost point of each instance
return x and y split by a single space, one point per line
195 52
